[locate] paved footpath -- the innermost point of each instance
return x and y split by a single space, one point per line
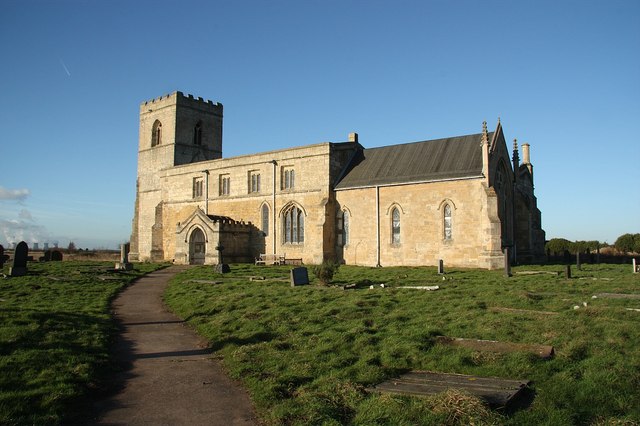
170 378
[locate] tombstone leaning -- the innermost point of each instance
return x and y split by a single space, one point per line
20 256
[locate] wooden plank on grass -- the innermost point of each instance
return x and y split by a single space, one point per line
495 391
618 295
521 311
543 351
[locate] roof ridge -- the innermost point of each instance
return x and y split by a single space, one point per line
430 140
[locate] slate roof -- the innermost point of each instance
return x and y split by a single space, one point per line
438 159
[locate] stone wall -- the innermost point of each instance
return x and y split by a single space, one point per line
422 239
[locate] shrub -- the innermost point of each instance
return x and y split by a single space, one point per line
326 271
628 243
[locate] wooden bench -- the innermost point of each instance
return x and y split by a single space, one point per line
270 259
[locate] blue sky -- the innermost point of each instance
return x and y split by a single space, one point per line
563 76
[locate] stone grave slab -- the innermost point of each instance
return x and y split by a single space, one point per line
299 276
521 311
619 295
495 391
538 273
422 287
543 351
205 282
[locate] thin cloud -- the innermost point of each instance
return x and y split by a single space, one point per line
65 67
25 214
13 194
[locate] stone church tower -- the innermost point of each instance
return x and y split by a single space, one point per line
174 130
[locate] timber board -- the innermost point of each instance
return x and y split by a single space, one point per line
495 391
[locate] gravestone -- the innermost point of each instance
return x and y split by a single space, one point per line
124 264
299 276
20 256
567 271
578 267
222 268
441 267
56 256
52 255
2 256
635 267
507 262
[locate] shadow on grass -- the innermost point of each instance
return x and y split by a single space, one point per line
57 344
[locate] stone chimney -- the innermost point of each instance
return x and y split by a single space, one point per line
526 159
353 137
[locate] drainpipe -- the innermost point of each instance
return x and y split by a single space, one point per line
273 230
206 191
378 226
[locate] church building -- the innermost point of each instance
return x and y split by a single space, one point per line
461 199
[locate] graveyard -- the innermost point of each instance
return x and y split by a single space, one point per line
339 353
320 354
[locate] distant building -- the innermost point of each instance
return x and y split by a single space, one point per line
460 199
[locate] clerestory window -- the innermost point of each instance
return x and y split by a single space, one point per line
288 178
198 185
225 184
254 182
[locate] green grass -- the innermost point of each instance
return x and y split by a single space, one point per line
306 354
55 330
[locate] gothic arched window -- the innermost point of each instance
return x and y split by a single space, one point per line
265 219
156 133
293 225
395 226
446 219
345 227
197 134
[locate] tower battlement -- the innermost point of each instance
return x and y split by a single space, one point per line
179 98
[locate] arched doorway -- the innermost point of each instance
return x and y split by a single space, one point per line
197 247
